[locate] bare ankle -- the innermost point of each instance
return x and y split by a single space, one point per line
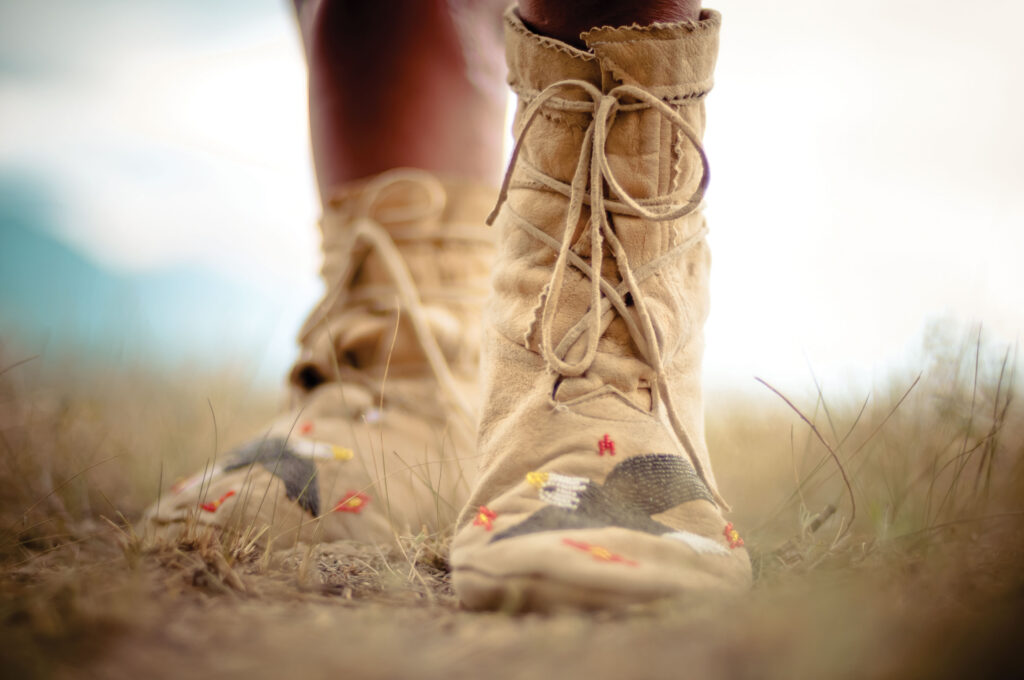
565 21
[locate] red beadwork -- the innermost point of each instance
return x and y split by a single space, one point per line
485 518
353 501
213 505
599 553
732 536
606 445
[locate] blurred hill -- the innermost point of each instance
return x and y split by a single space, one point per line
53 298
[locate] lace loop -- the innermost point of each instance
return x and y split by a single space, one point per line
593 173
593 167
363 233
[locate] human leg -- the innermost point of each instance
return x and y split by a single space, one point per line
404 83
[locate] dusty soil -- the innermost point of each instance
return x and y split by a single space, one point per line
927 582
345 610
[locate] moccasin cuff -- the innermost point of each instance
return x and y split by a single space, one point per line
672 61
536 61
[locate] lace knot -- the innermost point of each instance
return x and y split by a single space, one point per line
367 223
592 178
595 184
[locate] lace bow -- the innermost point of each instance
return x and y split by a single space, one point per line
593 170
363 233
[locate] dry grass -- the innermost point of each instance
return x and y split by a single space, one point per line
885 528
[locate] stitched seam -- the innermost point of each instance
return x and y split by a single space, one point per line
677 167
647 39
691 27
529 94
603 391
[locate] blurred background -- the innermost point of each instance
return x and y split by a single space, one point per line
157 203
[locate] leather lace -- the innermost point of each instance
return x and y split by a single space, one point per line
370 229
607 300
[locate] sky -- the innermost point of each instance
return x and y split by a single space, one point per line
867 162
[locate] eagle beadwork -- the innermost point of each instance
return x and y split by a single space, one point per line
634 490
297 472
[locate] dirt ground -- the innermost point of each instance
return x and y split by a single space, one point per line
341 610
925 581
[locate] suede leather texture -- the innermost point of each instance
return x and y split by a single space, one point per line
538 424
369 441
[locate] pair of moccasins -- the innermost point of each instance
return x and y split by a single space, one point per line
534 385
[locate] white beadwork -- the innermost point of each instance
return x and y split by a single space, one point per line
311 449
701 544
563 490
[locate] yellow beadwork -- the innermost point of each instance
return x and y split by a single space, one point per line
341 453
537 479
